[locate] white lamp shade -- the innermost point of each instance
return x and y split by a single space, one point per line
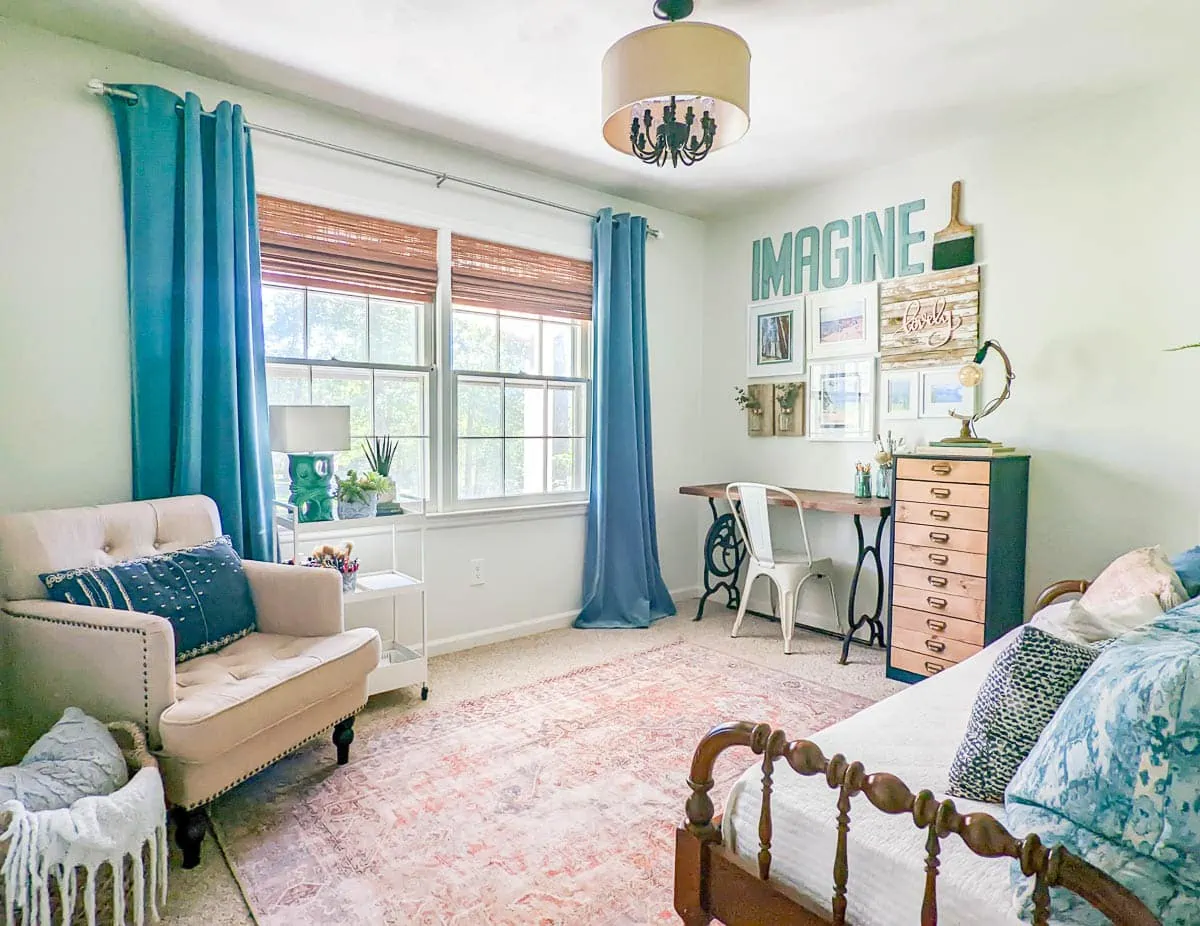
683 59
310 428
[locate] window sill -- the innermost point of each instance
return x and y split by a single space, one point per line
467 517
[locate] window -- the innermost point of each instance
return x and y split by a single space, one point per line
519 354
520 404
330 348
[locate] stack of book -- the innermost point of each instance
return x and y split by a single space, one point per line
950 448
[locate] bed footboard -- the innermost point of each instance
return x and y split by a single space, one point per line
713 883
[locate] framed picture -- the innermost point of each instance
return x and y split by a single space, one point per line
789 409
843 322
942 393
775 338
841 400
901 393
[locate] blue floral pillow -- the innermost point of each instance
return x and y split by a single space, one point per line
1115 777
201 590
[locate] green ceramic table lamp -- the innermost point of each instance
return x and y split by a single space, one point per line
310 435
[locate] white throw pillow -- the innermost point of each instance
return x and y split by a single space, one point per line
1113 620
1054 619
77 758
1139 572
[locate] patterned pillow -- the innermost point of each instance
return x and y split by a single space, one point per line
1019 696
202 591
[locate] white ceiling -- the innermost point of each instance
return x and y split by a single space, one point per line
836 84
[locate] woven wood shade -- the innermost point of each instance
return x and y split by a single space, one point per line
500 276
305 245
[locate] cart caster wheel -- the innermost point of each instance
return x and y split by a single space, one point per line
424 692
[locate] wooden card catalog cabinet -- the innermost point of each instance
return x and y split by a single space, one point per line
958 559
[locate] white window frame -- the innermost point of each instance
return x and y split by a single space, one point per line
426 323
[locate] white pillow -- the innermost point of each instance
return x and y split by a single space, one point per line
77 758
1054 619
1139 572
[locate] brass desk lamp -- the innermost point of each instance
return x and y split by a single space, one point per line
971 375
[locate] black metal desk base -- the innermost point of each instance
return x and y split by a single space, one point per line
724 554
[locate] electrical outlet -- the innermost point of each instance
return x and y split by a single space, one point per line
476 572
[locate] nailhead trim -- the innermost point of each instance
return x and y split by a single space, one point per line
269 763
86 626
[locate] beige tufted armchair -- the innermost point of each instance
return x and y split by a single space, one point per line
212 721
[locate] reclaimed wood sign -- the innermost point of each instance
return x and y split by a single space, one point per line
859 249
929 320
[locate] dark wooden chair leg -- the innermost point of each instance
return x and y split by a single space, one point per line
343 736
190 827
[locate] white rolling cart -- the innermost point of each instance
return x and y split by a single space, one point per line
404 663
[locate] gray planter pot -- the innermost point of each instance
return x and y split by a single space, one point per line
348 510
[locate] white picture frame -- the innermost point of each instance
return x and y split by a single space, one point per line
843 322
775 338
842 400
900 392
942 393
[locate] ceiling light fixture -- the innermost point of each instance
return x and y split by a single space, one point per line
676 91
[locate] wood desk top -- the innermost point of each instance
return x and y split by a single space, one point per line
814 499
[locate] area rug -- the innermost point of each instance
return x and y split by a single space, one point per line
552 804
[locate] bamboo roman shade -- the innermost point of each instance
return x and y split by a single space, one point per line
500 276
305 245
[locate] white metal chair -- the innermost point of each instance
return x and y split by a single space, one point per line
788 572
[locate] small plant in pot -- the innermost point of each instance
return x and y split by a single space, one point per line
358 496
380 452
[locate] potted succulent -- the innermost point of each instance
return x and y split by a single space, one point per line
358 496
380 452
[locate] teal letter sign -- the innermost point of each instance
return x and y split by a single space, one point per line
859 249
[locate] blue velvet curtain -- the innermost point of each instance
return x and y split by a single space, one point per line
199 406
622 584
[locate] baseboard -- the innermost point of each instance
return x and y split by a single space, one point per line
520 629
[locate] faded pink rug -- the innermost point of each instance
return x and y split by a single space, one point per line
552 804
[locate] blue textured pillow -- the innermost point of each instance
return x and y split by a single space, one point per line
1115 777
202 591
1187 567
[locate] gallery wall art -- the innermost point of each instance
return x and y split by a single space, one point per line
775 339
841 400
843 322
929 320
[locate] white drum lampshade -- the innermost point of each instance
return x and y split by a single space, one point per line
692 61
310 428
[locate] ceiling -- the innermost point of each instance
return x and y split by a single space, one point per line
836 84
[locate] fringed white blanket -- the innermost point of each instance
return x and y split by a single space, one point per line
62 845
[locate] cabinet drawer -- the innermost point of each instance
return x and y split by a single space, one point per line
973 519
942 493
971 564
932 581
920 664
977 471
933 644
944 538
937 625
938 603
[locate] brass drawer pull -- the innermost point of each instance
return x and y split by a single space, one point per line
939 536
939 559
935 625
942 469
938 581
939 492
939 514
932 667
938 603
935 646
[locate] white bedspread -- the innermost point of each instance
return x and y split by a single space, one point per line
914 735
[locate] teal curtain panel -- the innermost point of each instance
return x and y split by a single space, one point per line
199 407
623 584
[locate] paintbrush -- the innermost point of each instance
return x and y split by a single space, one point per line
954 245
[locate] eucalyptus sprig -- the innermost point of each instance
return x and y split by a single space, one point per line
746 402
787 396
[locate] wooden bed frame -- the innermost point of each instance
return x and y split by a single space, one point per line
713 883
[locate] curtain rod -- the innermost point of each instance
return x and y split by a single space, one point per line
100 88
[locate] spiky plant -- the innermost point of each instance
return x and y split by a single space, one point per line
380 452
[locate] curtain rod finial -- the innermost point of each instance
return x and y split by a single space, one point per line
97 86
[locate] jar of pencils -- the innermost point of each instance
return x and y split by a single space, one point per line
862 480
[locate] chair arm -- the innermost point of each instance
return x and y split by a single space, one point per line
115 665
1052 593
300 601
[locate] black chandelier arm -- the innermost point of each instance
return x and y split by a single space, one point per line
672 139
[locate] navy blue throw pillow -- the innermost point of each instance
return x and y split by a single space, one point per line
202 591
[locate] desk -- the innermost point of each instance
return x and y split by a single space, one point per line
724 551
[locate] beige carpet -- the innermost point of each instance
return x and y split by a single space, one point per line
209 896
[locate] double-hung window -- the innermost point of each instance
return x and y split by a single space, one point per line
347 320
518 393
